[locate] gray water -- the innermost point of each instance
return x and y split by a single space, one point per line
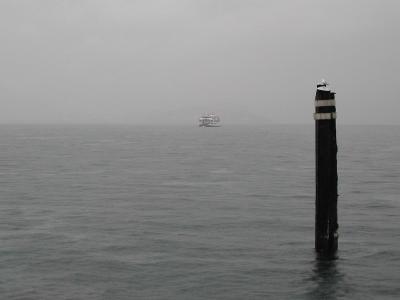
127 212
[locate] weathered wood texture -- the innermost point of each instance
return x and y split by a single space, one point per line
326 223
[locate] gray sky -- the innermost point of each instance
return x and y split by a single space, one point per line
168 61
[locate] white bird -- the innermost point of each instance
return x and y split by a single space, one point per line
323 82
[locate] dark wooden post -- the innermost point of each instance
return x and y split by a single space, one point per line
326 224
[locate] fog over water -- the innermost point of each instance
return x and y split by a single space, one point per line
97 61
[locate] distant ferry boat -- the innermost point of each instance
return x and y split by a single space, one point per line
209 120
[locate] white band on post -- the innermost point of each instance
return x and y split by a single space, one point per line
325 116
319 103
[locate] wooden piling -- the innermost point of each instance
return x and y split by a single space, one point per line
326 224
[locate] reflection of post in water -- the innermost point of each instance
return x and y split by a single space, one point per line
326 279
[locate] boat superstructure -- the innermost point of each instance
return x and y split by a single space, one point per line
209 120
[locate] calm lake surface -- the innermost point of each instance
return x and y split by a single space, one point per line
127 212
